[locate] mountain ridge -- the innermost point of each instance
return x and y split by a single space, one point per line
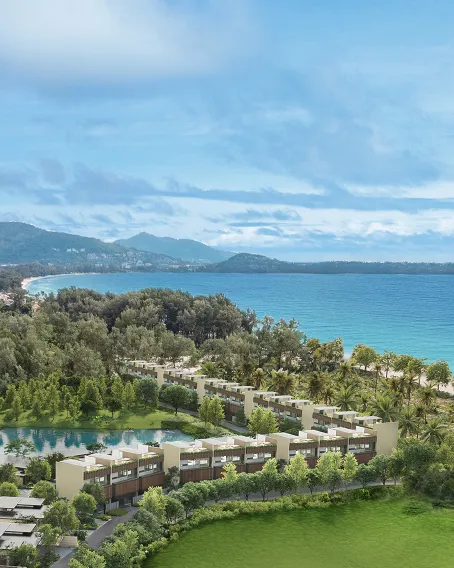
23 243
184 249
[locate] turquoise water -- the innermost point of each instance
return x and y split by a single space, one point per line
404 313
72 442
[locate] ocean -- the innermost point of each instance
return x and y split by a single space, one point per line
404 313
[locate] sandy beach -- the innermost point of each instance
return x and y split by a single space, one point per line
26 281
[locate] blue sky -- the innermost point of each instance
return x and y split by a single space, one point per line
304 129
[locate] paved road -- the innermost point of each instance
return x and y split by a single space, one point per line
97 537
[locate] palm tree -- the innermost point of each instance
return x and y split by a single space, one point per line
384 408
328 393
434 431
344 370
282 381
411 383
346 398
427 397
315 385
364 399
378 367
258 378
409 423
210 369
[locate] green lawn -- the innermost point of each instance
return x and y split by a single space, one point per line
373 534
121 421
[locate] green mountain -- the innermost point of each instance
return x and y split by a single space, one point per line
22 243
186 249
256 263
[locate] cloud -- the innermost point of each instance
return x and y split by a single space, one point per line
111 41
52 171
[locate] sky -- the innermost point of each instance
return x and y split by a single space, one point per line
303 130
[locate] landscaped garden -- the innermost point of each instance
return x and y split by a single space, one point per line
369 534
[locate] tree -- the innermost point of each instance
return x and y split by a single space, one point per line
96 447
387 361
364 355
216 411
349 468
172 478
85 506
298 470
84 557
247 484
74 408
204 410
229 473
20 447
258 379
147 390
175 346
365 475
262 421
191 496
282 381
174 510
95 489
8 489
45 490
38 469
434 431
91 400
267 478
123 552
16 408
346 398
408 422
52 460
25 555
113 405
8 473
439 373
240 416
117 389
384 408
382 466
62 515
129 396
329 469
176 396
154 501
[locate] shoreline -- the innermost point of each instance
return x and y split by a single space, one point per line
27 281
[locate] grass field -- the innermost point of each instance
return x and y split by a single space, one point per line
141 420
373 534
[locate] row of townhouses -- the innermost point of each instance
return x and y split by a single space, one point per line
128 472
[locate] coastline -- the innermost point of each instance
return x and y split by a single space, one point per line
27 281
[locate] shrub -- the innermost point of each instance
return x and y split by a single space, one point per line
118 512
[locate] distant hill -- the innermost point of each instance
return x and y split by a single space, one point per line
186 249
256 263
23 243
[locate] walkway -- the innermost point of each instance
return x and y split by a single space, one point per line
98 536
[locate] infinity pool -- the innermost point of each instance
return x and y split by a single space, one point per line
72 442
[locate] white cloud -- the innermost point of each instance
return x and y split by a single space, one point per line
433 190
116 39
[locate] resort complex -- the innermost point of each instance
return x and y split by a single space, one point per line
127 472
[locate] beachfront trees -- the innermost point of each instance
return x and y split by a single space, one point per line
439 373
262 421
387 361
364 356
176 396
